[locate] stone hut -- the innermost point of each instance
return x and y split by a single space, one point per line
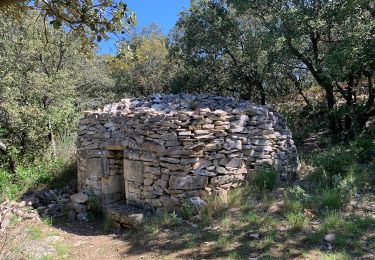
160 150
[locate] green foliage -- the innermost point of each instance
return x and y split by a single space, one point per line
348 230
364 147
251 218
94 204
297 221
332 199
174 219
153 224
297 193
141 66
51 173
293 206
220 51
35 233
265 179
85 18
47 221
267 49
333 163
62 250
187 210
215 206
45 82
237 197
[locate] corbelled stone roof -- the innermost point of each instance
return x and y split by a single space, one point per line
182 102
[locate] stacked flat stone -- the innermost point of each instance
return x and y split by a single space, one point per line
159 150
78 207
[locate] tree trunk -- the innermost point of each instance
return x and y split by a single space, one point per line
332 118
52 138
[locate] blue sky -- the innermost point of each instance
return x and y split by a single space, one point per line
162 12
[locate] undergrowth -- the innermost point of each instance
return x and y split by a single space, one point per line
48 172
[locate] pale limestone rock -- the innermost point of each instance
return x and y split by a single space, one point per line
187 182
133 170
78 207
197 202
79 198
203 173
202 163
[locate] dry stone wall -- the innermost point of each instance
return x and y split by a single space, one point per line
159 150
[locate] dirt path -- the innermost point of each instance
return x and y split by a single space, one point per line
90 241
87 241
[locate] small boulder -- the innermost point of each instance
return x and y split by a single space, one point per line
255 236
78 207
79 198
82 216
330 237
197 202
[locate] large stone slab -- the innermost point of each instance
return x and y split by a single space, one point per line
187 182
79 198
127 215
133 170
140 155
97 167
113 184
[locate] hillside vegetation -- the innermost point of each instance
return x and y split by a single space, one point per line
313 61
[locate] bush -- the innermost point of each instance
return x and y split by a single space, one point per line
215 206
334 162
187 210
94 205
109 224
332 199
297 221
333 222
364 148
250 218
292 206
265 179
175 220
43 174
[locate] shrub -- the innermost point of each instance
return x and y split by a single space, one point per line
334 162
297 193
108 224
250 218
296 200
369 174
187 210
333 221
41 175
175 220
292 206
215 206
332 199
297 221
94 205
364 148
265 179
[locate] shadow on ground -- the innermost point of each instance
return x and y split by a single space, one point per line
235 240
